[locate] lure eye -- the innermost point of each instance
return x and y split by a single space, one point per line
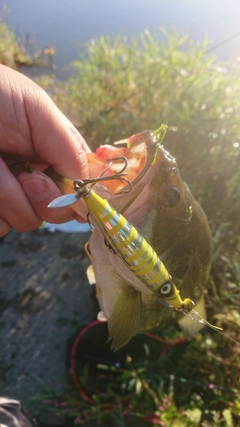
166 289
172 197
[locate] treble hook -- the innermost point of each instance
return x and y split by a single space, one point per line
82 187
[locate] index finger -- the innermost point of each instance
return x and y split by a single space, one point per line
35 126
57 141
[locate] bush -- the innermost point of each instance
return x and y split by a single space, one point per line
120 88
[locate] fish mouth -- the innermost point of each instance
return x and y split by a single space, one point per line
138 153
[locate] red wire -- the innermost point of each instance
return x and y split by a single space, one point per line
73 354
167 342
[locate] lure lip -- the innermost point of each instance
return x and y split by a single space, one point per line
65 200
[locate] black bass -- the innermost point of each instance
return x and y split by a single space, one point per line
161 207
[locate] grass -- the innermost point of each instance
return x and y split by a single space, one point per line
14 53
187 387
120 87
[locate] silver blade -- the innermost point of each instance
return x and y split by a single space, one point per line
66 200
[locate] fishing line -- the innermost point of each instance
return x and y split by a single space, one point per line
201 319
194 315
223 42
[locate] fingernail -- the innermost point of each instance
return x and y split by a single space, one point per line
35 188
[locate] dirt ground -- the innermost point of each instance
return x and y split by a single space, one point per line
44 298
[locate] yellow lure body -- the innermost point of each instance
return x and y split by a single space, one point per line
133 249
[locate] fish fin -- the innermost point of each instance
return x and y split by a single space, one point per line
124 321
92 281
91 275
189 326
101 316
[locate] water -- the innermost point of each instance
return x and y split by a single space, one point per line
67 227
66 24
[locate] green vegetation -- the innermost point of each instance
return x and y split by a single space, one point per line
14 53
11 53
119 88
163 384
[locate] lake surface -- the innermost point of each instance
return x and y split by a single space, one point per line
66 24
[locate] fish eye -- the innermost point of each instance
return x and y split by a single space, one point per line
166 289
171 197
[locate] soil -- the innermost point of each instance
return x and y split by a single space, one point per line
44 298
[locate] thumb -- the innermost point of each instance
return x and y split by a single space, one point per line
40 191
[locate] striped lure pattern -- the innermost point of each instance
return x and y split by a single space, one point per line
134 251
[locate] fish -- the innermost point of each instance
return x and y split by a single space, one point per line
159 205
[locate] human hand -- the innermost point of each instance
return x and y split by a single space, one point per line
33 129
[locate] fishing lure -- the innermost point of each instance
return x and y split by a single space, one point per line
124 240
